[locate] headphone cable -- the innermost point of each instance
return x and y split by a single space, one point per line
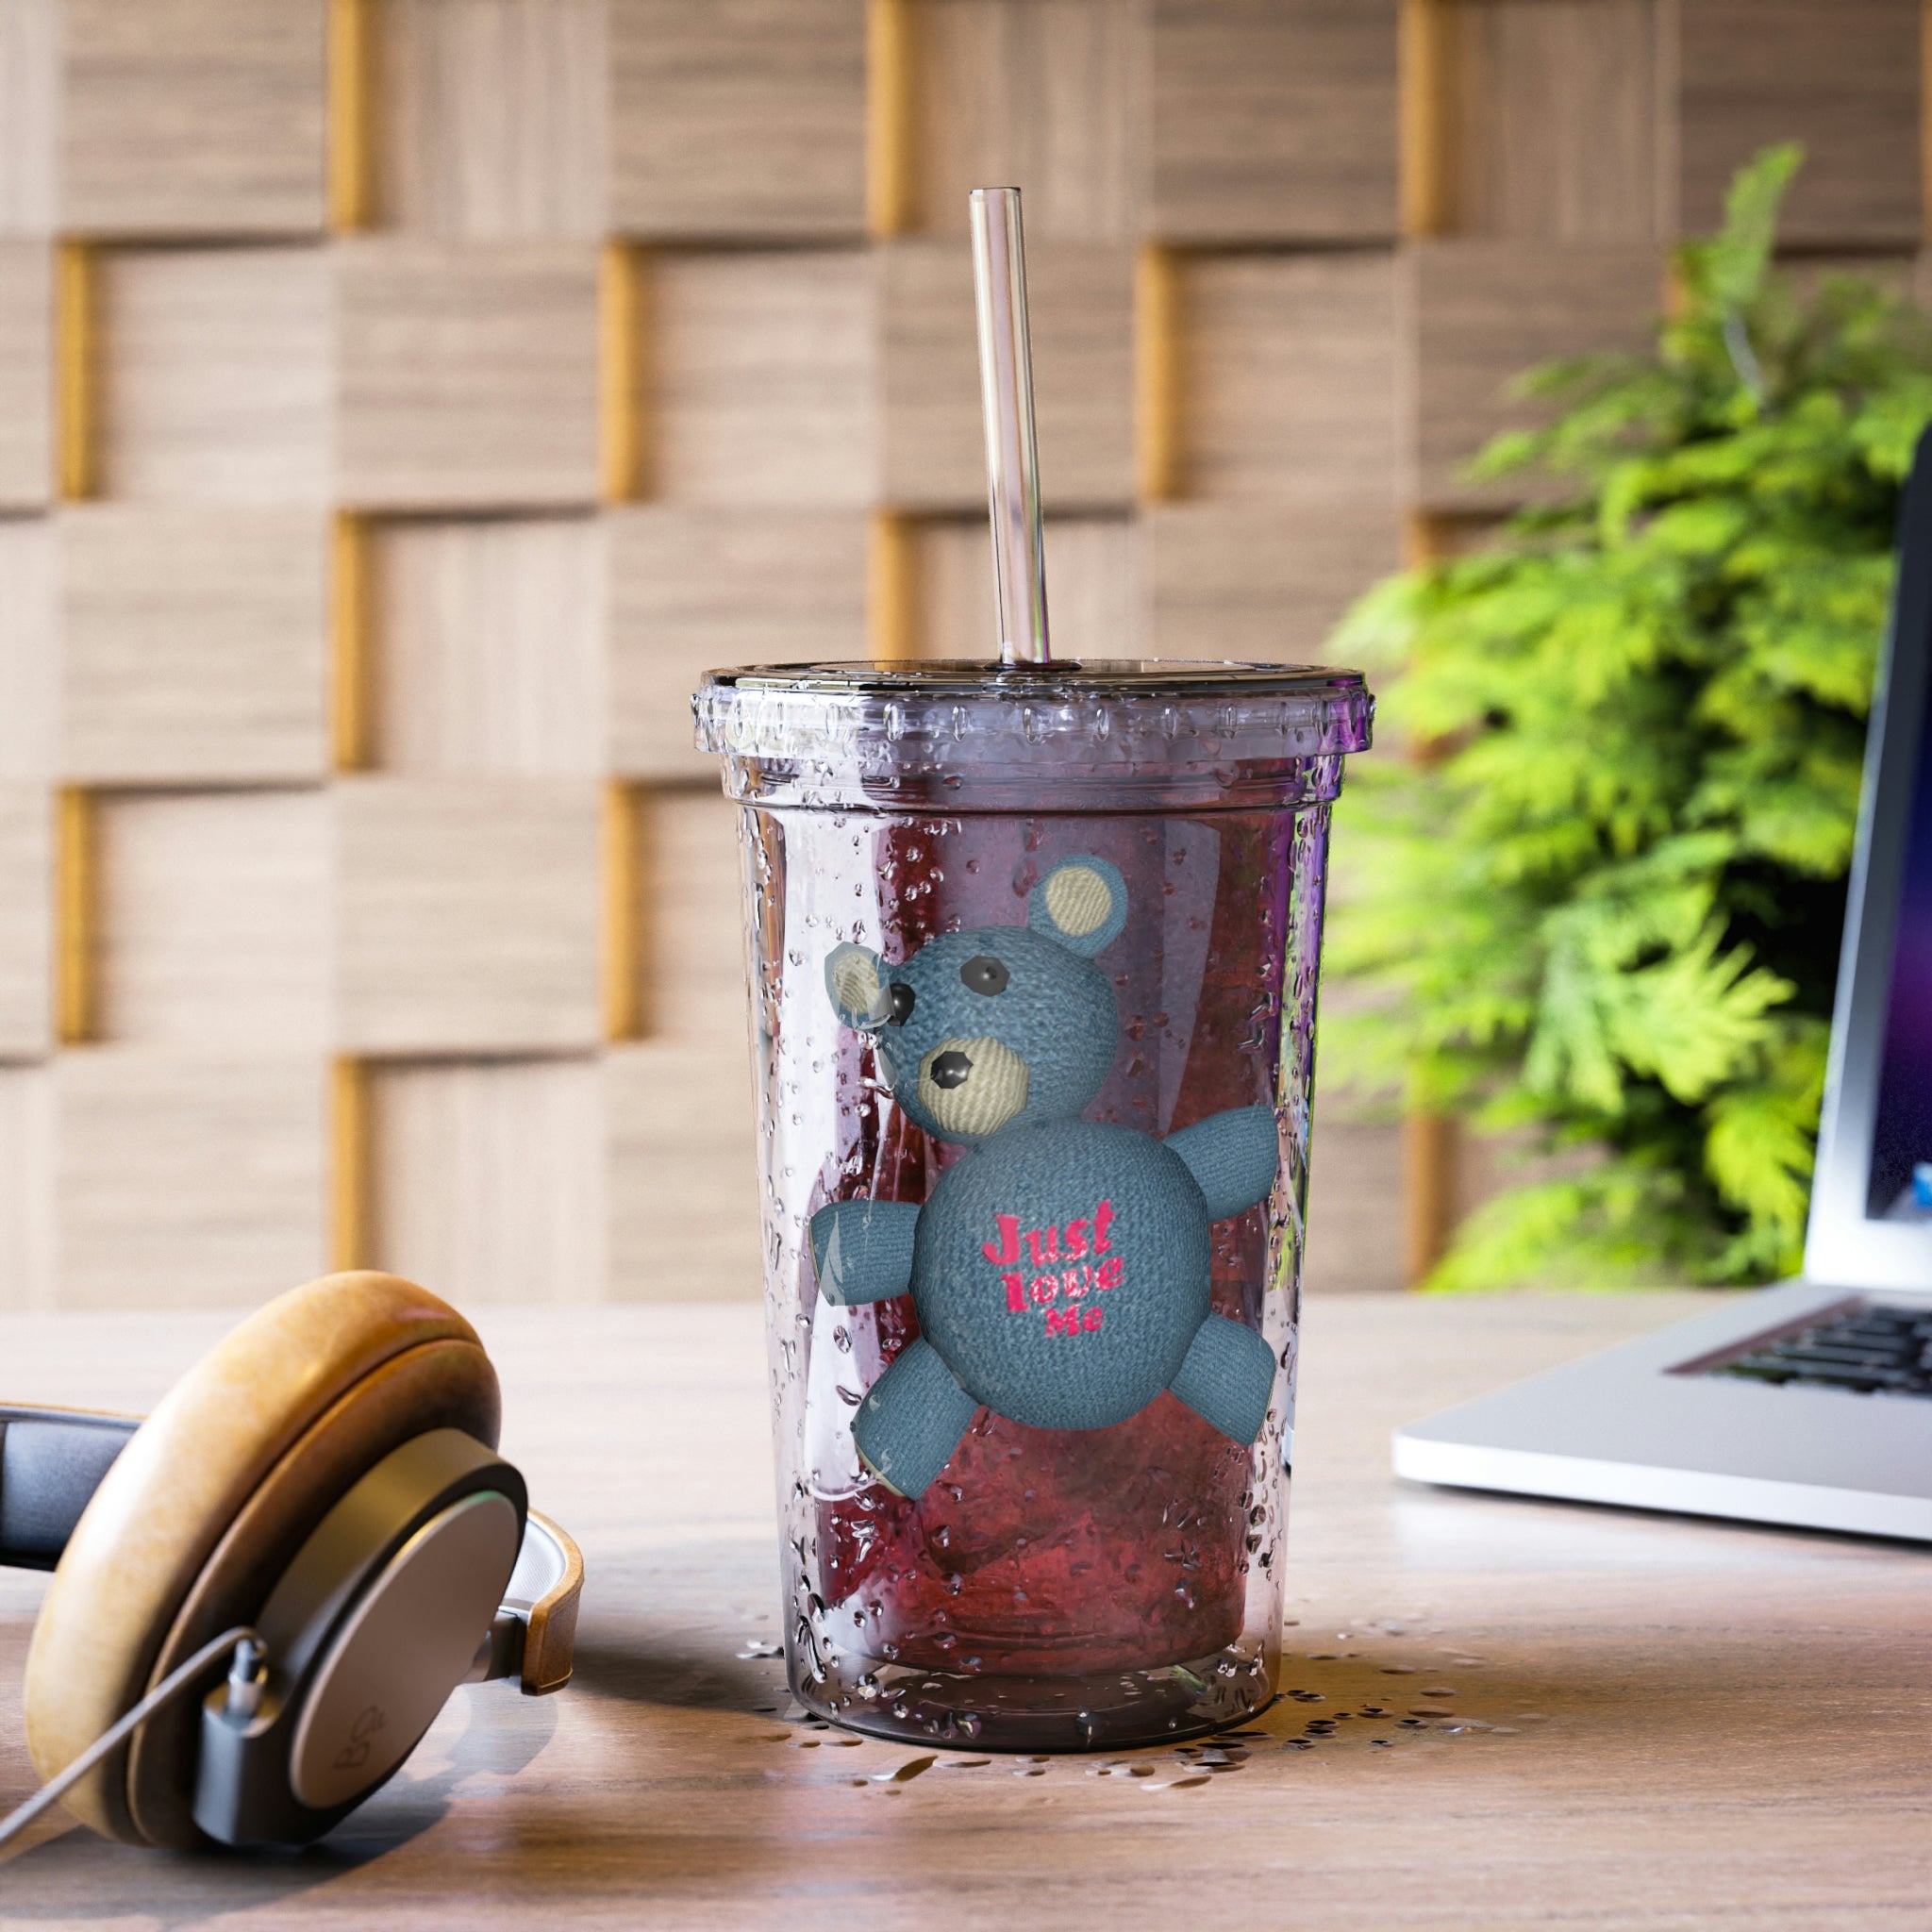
247 1644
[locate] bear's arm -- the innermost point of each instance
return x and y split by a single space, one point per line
863 1250
1232 1156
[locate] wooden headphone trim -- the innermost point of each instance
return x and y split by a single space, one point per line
162 1512
446 1384
550 1642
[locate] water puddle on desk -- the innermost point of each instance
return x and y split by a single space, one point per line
1384 1691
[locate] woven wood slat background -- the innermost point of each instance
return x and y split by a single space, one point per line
401 401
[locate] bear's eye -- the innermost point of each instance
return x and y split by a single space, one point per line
985 974
901 996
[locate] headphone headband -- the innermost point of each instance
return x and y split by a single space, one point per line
51 1462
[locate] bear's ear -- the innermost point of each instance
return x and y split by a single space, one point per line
1082 902
856 978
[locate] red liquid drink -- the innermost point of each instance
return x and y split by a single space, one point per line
1052 1588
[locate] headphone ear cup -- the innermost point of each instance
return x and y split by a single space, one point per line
209 1502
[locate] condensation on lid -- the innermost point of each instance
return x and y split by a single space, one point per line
907 709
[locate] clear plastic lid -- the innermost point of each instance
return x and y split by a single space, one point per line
1072 735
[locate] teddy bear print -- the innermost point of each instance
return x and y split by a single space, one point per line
1060 1268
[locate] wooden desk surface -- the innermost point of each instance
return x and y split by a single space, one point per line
1690 1723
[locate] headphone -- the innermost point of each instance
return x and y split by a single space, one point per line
319 1504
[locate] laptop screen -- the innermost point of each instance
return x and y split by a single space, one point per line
1899 1187
1871 1195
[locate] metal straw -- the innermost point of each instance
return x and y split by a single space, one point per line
1005 392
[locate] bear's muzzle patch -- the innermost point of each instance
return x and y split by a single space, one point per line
972 1087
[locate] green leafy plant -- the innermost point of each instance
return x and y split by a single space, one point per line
1606 909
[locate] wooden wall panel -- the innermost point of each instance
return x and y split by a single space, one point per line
1288 380
1044 92
493 1179
1095 574
683 1186
27 375
761 370
491 118
695 589
213 920
29 662
214 374
1081 303
1093 585
952 597
468 915
27 922
185 1179
191 644
658 354
1553 120
29 1276
468 374
193 117
29 114
488 645
695 945
1842 76
1482 313
1250 580
737 118
1274 119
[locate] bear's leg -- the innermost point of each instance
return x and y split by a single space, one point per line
1227 1377
908 1427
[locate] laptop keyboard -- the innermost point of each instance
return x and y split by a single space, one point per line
1870 1349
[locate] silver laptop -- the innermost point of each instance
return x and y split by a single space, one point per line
1809 1403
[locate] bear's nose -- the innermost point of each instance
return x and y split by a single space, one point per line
951 1069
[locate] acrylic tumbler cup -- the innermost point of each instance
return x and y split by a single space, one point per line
1033 953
